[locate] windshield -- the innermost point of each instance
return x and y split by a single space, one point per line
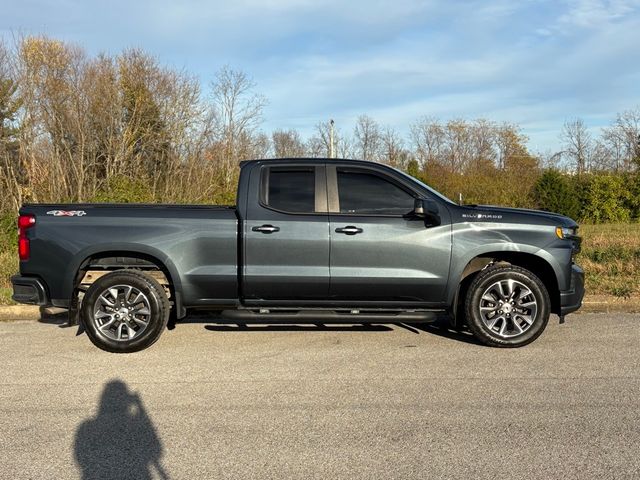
423 185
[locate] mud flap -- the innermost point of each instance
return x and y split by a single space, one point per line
74 315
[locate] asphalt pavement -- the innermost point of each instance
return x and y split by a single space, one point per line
346 402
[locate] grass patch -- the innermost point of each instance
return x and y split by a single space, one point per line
8 256
5 296
8 267
610 257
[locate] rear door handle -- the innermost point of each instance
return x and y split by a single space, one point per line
349 230
266 229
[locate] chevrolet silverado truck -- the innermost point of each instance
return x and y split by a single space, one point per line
310 241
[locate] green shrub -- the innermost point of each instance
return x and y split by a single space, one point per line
632 185
604 197
556 192
413 168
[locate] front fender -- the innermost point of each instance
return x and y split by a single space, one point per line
473 240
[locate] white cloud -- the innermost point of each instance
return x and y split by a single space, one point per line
594 13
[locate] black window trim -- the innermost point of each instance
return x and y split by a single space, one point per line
333 194
320 192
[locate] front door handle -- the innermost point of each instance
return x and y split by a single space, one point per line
349 230
266 229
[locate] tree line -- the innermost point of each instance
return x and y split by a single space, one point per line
78 128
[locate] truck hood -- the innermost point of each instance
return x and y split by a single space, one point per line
508 214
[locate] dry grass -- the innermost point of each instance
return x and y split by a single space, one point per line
8 267
5 296
610 257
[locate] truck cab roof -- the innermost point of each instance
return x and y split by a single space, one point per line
308 160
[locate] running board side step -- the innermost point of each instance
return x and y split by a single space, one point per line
264 315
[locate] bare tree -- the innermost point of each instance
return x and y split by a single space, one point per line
237 109
367 138
11 171
51 74
483 137
428 139
621 141
237 113
287 144
319 144
610 151
578 144
458 151
393 151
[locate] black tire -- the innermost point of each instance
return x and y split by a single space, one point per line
518 331
158 307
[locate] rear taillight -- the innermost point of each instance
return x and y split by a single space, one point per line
25 222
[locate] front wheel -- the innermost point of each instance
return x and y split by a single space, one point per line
507 306
125 311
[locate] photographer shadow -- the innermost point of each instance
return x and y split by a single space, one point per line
120 442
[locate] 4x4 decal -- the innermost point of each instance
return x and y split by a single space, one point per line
67 213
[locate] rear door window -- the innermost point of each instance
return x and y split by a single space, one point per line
290 189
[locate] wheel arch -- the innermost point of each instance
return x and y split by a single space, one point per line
536 264
76 270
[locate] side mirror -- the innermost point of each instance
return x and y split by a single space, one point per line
427 209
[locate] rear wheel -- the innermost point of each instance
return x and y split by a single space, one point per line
507 306
125 311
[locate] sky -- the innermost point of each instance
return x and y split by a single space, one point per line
537 63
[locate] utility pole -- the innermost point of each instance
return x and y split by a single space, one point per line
331 147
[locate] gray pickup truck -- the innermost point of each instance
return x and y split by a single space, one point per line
310 241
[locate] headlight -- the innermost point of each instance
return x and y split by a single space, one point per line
566 232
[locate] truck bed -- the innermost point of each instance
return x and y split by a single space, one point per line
196 243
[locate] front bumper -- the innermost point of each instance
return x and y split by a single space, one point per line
29 290
571 300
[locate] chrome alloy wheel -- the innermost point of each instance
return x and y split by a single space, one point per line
121 313
508 308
